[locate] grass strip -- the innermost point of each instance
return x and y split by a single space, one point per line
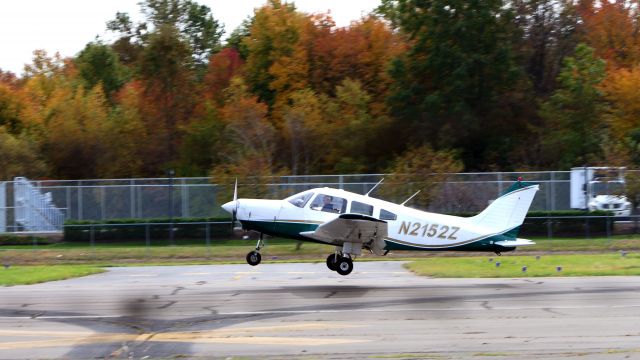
512 266
25 275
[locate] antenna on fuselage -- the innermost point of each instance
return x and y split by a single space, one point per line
374 187
410 197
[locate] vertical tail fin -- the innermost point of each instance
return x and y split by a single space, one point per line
509 210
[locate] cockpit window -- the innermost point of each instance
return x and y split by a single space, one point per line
361 208
329 203
300 200
387 215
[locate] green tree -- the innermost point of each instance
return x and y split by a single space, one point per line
129 45
194 22
573 115
450 86
98 64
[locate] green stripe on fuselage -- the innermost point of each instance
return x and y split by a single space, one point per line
292 230
288 229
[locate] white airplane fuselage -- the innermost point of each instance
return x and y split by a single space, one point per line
407 228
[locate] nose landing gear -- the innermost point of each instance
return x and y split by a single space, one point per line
254 257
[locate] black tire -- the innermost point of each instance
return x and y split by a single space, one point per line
345 266
332 264
254 258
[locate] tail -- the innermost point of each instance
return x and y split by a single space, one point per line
507 213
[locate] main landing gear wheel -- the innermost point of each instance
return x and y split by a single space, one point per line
332 264
345 266
254 258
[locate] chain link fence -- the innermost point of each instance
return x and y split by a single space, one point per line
104 200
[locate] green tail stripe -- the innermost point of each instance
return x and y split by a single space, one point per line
517 186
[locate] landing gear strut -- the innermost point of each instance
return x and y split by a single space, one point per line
254 257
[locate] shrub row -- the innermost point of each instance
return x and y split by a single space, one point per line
11 239
117 230
564 223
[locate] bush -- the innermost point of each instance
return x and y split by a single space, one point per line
117 230
11 239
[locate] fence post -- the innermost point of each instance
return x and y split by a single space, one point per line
80 200
184 198
608 228
207 239
147 240
92 235
102 203
132 198
586 227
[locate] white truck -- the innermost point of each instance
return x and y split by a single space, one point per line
599 188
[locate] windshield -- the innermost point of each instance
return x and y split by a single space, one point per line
300 200
607 188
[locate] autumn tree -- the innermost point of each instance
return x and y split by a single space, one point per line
168 89
612 28
130 147
277 61
19 157
361 51
421 169
12 104
75 131
307 131
222 67
249 151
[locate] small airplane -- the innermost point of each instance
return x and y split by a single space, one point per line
352 222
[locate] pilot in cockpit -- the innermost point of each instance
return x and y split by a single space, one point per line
327 206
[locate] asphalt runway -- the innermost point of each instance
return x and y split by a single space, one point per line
304 310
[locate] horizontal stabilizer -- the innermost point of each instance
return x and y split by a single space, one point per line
515 243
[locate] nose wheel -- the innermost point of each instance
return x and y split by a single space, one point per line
254 258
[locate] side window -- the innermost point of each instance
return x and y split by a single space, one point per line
300 200
361 208
387 215
329 203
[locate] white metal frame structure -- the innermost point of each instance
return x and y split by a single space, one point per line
35 211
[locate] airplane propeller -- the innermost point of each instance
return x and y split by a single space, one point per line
234 211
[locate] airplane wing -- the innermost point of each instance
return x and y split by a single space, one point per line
361 230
